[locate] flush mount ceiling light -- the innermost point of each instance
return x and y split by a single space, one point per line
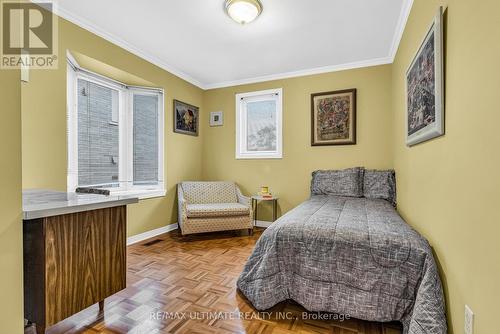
243 11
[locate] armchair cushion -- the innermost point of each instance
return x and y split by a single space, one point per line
216 210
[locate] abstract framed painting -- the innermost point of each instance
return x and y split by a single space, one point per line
424 87
186 118
333 118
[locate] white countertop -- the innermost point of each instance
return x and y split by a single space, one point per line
46 203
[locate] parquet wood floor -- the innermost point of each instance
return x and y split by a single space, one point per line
195 276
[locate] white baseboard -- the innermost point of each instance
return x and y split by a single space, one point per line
262 223
153 233
150 234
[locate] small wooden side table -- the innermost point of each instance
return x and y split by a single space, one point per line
255 203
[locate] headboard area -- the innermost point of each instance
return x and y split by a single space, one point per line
355 182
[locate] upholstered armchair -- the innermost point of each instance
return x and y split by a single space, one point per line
212 206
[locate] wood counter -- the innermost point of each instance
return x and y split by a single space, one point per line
72 261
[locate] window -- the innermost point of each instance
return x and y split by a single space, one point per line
258 125
115 135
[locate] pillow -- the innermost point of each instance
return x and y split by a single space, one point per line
380 184
346 182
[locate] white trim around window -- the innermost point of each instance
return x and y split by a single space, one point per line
125 184
243 151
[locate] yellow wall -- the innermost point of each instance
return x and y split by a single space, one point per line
290 177
11 251
44 124
448 187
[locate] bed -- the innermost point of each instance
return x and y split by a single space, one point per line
350 255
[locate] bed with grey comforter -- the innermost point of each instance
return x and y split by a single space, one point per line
348 255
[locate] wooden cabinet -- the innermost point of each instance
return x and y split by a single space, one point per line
71 262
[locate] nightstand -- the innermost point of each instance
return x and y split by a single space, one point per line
255 203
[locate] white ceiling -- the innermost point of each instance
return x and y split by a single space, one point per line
197 41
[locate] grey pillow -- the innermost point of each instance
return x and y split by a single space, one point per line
346 182
380 184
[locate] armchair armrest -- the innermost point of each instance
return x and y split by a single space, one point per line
242 199
181 206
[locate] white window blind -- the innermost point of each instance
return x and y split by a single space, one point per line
145 135
98 135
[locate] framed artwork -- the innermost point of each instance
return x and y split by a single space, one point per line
186 118
333 118
216 118
424 87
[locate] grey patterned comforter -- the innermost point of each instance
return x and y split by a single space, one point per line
353 256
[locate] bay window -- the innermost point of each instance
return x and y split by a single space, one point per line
115 135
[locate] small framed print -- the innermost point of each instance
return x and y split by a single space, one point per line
185 118
216 118
333 118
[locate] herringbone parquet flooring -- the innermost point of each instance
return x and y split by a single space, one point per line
188 285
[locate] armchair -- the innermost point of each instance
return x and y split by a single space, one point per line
212 206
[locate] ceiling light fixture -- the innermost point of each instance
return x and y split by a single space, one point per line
243 11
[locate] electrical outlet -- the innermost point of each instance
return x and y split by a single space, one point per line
469 321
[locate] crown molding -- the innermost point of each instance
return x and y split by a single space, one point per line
301 73
400 28
87 25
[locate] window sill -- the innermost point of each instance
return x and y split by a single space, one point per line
141 194
248 157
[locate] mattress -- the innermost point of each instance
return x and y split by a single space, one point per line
352 256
